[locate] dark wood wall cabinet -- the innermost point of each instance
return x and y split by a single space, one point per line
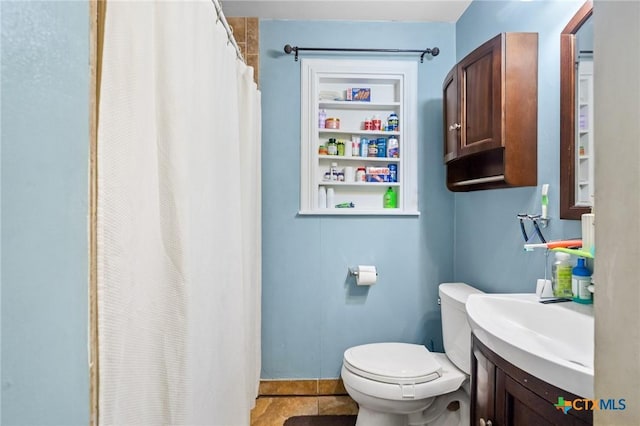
491 115
504 395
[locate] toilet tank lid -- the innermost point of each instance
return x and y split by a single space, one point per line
393 363
458 292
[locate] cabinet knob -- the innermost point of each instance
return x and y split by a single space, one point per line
455 126
483 423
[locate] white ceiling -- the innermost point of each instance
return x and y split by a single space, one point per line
349 10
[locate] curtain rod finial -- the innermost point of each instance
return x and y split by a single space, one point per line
433 52
288 49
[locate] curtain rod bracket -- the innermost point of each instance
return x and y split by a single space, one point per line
288 49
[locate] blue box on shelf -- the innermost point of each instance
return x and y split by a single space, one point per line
359 94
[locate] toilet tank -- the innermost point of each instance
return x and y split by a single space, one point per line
456 332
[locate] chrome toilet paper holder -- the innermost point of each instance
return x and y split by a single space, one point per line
354 272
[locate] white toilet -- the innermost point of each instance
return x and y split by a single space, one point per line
400 384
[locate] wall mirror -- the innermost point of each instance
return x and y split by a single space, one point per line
576 115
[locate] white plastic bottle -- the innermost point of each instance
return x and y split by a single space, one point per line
322 197
392 148
581 280
561 275
333 171
355 146
331 201
322 117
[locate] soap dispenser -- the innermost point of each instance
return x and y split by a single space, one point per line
580 282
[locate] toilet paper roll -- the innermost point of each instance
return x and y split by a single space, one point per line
367 275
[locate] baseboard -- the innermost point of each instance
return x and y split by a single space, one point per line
301 387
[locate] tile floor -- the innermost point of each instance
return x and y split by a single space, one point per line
280 400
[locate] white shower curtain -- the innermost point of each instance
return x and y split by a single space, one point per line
179 247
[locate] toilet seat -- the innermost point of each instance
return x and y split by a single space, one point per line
396 363
386 384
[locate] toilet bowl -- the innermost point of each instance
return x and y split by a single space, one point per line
401 384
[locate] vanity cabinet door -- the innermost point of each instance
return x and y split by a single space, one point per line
504 395
483 373
518 406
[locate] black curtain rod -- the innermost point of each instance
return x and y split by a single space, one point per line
288 49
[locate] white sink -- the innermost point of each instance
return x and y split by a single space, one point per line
553 342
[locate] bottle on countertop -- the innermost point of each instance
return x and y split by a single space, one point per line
561 275
580 282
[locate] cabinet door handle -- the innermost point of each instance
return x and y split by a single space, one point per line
483 423
455 126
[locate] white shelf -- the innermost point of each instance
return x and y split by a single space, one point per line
584 184
359 132
393 89
359 159
356 184
357 212
358 105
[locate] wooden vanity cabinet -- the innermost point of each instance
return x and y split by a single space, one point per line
504 395
490 111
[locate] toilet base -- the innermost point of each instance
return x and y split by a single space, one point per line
438 414
367 417
429 412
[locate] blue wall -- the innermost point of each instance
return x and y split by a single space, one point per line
311 312
45 141
488 244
